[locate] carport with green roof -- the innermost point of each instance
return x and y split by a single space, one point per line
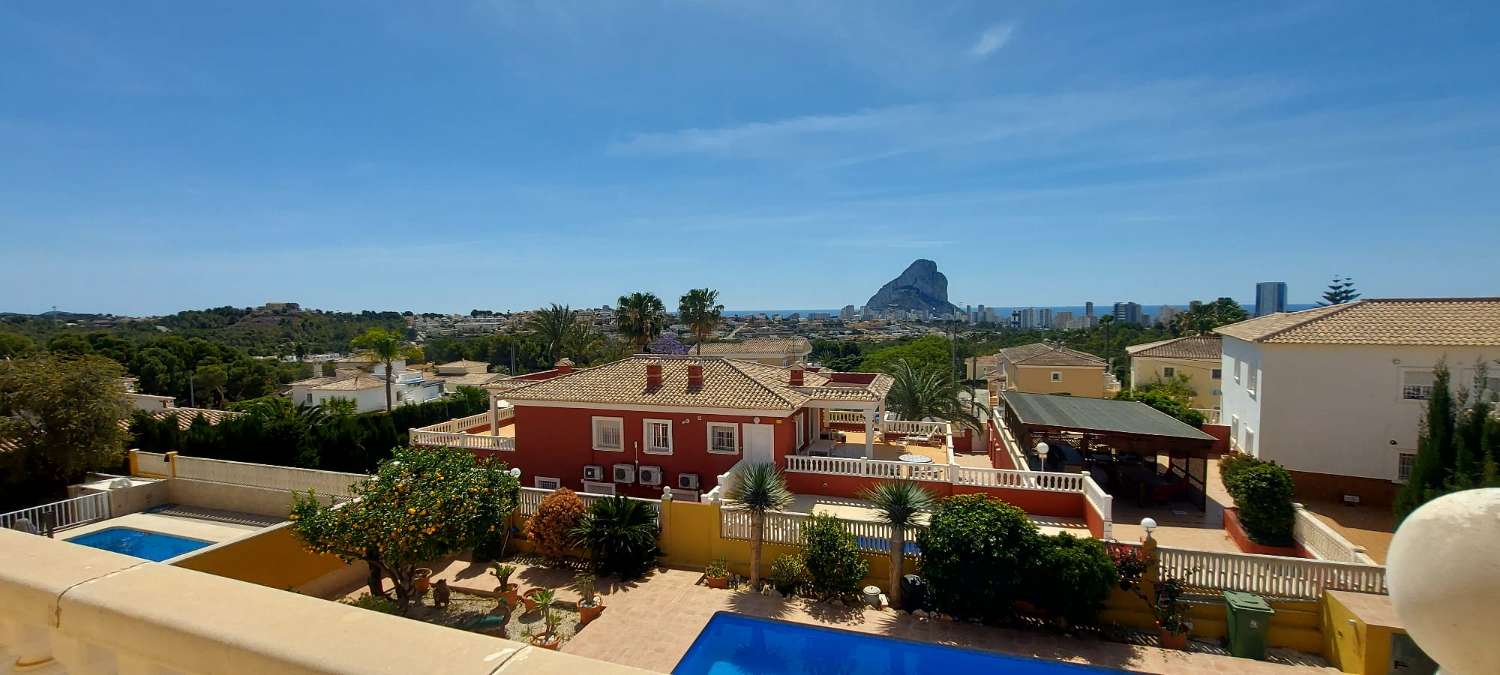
1111 439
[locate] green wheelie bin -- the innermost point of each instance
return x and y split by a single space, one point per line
1249 624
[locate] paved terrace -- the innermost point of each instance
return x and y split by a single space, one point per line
651 624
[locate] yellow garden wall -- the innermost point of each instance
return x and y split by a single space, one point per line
1297 623
272 557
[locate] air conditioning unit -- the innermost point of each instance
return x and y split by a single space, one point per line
593 472
687 481
650 475
624 473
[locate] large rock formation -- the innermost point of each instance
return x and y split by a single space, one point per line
920 287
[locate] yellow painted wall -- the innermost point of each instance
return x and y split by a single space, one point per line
1351 644
273 557
1199 373
1297 623
1076 381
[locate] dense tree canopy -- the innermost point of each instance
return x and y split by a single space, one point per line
61 415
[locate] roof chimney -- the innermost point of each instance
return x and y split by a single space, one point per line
653 375
695 376
796 375
564 366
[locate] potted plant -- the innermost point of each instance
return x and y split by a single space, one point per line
422 580
538 597
507 590
549 639
716 575
1171 617
590 605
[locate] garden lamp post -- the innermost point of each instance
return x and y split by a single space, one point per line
1041 453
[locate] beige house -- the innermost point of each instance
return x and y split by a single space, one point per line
770 351
1042 368
1195 357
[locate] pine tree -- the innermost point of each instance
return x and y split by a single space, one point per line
1339 292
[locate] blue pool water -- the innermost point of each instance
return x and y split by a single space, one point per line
732 644
139 543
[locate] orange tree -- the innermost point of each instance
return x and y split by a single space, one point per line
420 506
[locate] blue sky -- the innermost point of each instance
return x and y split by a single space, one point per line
440 157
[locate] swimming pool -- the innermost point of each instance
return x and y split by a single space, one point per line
733 644
139 543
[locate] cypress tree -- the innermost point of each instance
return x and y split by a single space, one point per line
1435 448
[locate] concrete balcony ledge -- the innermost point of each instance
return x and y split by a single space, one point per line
69 608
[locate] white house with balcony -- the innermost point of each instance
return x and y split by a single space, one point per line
1335 394
366 387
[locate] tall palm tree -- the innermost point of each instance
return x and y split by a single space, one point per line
556 327
640 318
900 504
926 392
701 311
757 488
385 347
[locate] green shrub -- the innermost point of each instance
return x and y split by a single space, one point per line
1263 493
975 556
551 529
374 603
788 574
831 555
1072 577
620 536
1232 465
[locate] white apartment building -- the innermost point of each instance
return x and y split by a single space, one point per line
1335 394
366 387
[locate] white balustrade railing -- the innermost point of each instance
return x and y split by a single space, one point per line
1324 542
531 498
1269 575
946 473
844 417
453 439
64 514
785 527
915 427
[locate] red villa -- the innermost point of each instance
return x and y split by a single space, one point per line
647 422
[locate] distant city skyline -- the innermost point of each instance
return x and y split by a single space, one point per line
449 156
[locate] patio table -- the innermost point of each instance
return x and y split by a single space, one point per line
916 459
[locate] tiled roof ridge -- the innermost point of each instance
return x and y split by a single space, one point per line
738 365
1313 319
1050 347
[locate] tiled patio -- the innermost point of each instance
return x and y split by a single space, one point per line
652 624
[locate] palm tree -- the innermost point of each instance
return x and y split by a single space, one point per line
556 327
917 393
385 347
641 317
701 311
900 504
757 488
620 534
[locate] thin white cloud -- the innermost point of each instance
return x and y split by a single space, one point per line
993 38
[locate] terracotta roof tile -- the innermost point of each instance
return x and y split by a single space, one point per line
1194 347
768 346
1469 322
727 383
1043 354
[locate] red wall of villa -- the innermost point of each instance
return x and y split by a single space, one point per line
558 443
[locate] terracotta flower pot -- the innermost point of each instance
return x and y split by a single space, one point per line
511 594
716 582
1170 640
589 613
422 581
552 643
530 600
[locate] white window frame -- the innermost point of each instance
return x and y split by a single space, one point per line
734 431
541 483
1234 431
1254 381
1235 365
598 437
1401 455
1057 376
594 487
646 438
1416 392
1250 442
